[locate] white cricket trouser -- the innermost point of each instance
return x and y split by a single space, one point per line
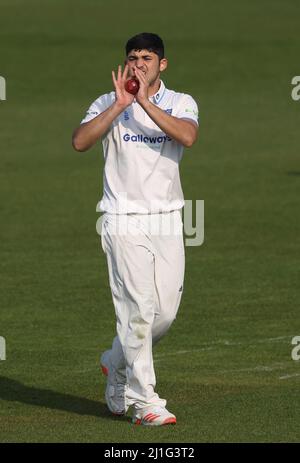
145 256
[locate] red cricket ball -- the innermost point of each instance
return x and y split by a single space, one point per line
132 86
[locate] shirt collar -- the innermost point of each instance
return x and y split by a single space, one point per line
156 98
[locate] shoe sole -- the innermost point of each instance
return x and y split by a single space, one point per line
153 423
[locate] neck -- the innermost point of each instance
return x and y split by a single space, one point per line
154 87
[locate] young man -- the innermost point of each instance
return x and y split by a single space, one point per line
143 137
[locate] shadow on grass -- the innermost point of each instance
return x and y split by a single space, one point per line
294 173
14 391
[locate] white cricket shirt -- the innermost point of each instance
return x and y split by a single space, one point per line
141 171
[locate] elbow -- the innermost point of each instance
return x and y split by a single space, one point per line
191 137
190 141
77 144
78 147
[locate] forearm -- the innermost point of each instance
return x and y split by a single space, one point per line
184 132
86 135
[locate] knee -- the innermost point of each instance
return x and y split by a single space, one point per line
166 319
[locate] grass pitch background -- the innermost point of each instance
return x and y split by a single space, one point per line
225 367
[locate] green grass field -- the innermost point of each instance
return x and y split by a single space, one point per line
225 367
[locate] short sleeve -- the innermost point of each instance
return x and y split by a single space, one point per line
97 107
188 109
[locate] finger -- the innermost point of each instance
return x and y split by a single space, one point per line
140 76
125 73
114 78
119 72
137 73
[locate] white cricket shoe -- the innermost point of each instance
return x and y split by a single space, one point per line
115 393
153 416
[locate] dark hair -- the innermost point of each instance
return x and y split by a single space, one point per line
146 41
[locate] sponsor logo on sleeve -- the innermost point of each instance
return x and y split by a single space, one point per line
192 111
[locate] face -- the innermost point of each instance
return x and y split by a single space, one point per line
148 62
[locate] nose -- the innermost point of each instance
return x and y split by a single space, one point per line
139 63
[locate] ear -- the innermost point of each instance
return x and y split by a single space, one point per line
163 64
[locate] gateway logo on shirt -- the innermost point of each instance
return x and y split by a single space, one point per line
141 138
